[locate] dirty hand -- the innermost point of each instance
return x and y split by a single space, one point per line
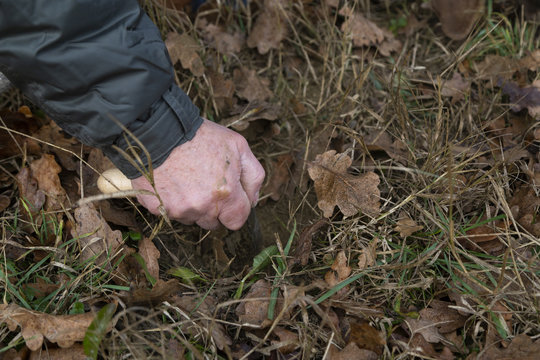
212 179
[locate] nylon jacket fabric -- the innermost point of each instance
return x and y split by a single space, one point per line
87 62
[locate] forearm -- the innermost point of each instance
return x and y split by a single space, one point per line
86 63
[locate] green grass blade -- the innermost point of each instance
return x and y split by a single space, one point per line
97 329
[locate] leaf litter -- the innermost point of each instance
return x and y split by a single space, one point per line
337 76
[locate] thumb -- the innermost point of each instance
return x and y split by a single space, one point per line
252 176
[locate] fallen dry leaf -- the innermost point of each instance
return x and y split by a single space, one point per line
406 226
351 352
185 49
219 39
254 307
531 61
45 170
302 250
150 254
456 87
523 97
289 339
65 145
4 202
75 352
41 288
206 308
334 186
495 67
95 236
364 32
12 144
222 90
367 337
270 27
524 204
446 319
458 16
338 272
522 347
382 141
368 255
280 176
64 330
250 86
243 115
161 291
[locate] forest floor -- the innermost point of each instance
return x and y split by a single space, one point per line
399 215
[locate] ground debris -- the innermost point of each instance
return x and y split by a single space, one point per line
334 186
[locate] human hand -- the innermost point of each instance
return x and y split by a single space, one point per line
212 179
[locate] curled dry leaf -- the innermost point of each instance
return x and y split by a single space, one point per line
368 255
206 308
222 90
255 110
254 307
495 67
523 97
455 88
64 330
304 243
45 170
219 39
524 204
334 186
150 254
339 272
250 86
366 337
458 16
382 141
289 340
95 236
41 288
12 144
53 134
364 32
4 202
521 347
185 49
351 352
161 291
270 27
406 226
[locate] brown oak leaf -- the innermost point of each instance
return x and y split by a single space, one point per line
150 254
270 28
45 170
95 236
64 330
406 226
221 40
254 307
522 347
250 86
364 32
185 49
334 186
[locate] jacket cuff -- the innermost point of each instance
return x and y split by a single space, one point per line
171 121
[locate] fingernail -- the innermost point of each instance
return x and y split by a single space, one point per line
256 200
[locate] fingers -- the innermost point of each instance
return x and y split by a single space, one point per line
252 176
236 211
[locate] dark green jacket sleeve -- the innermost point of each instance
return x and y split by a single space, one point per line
86 62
